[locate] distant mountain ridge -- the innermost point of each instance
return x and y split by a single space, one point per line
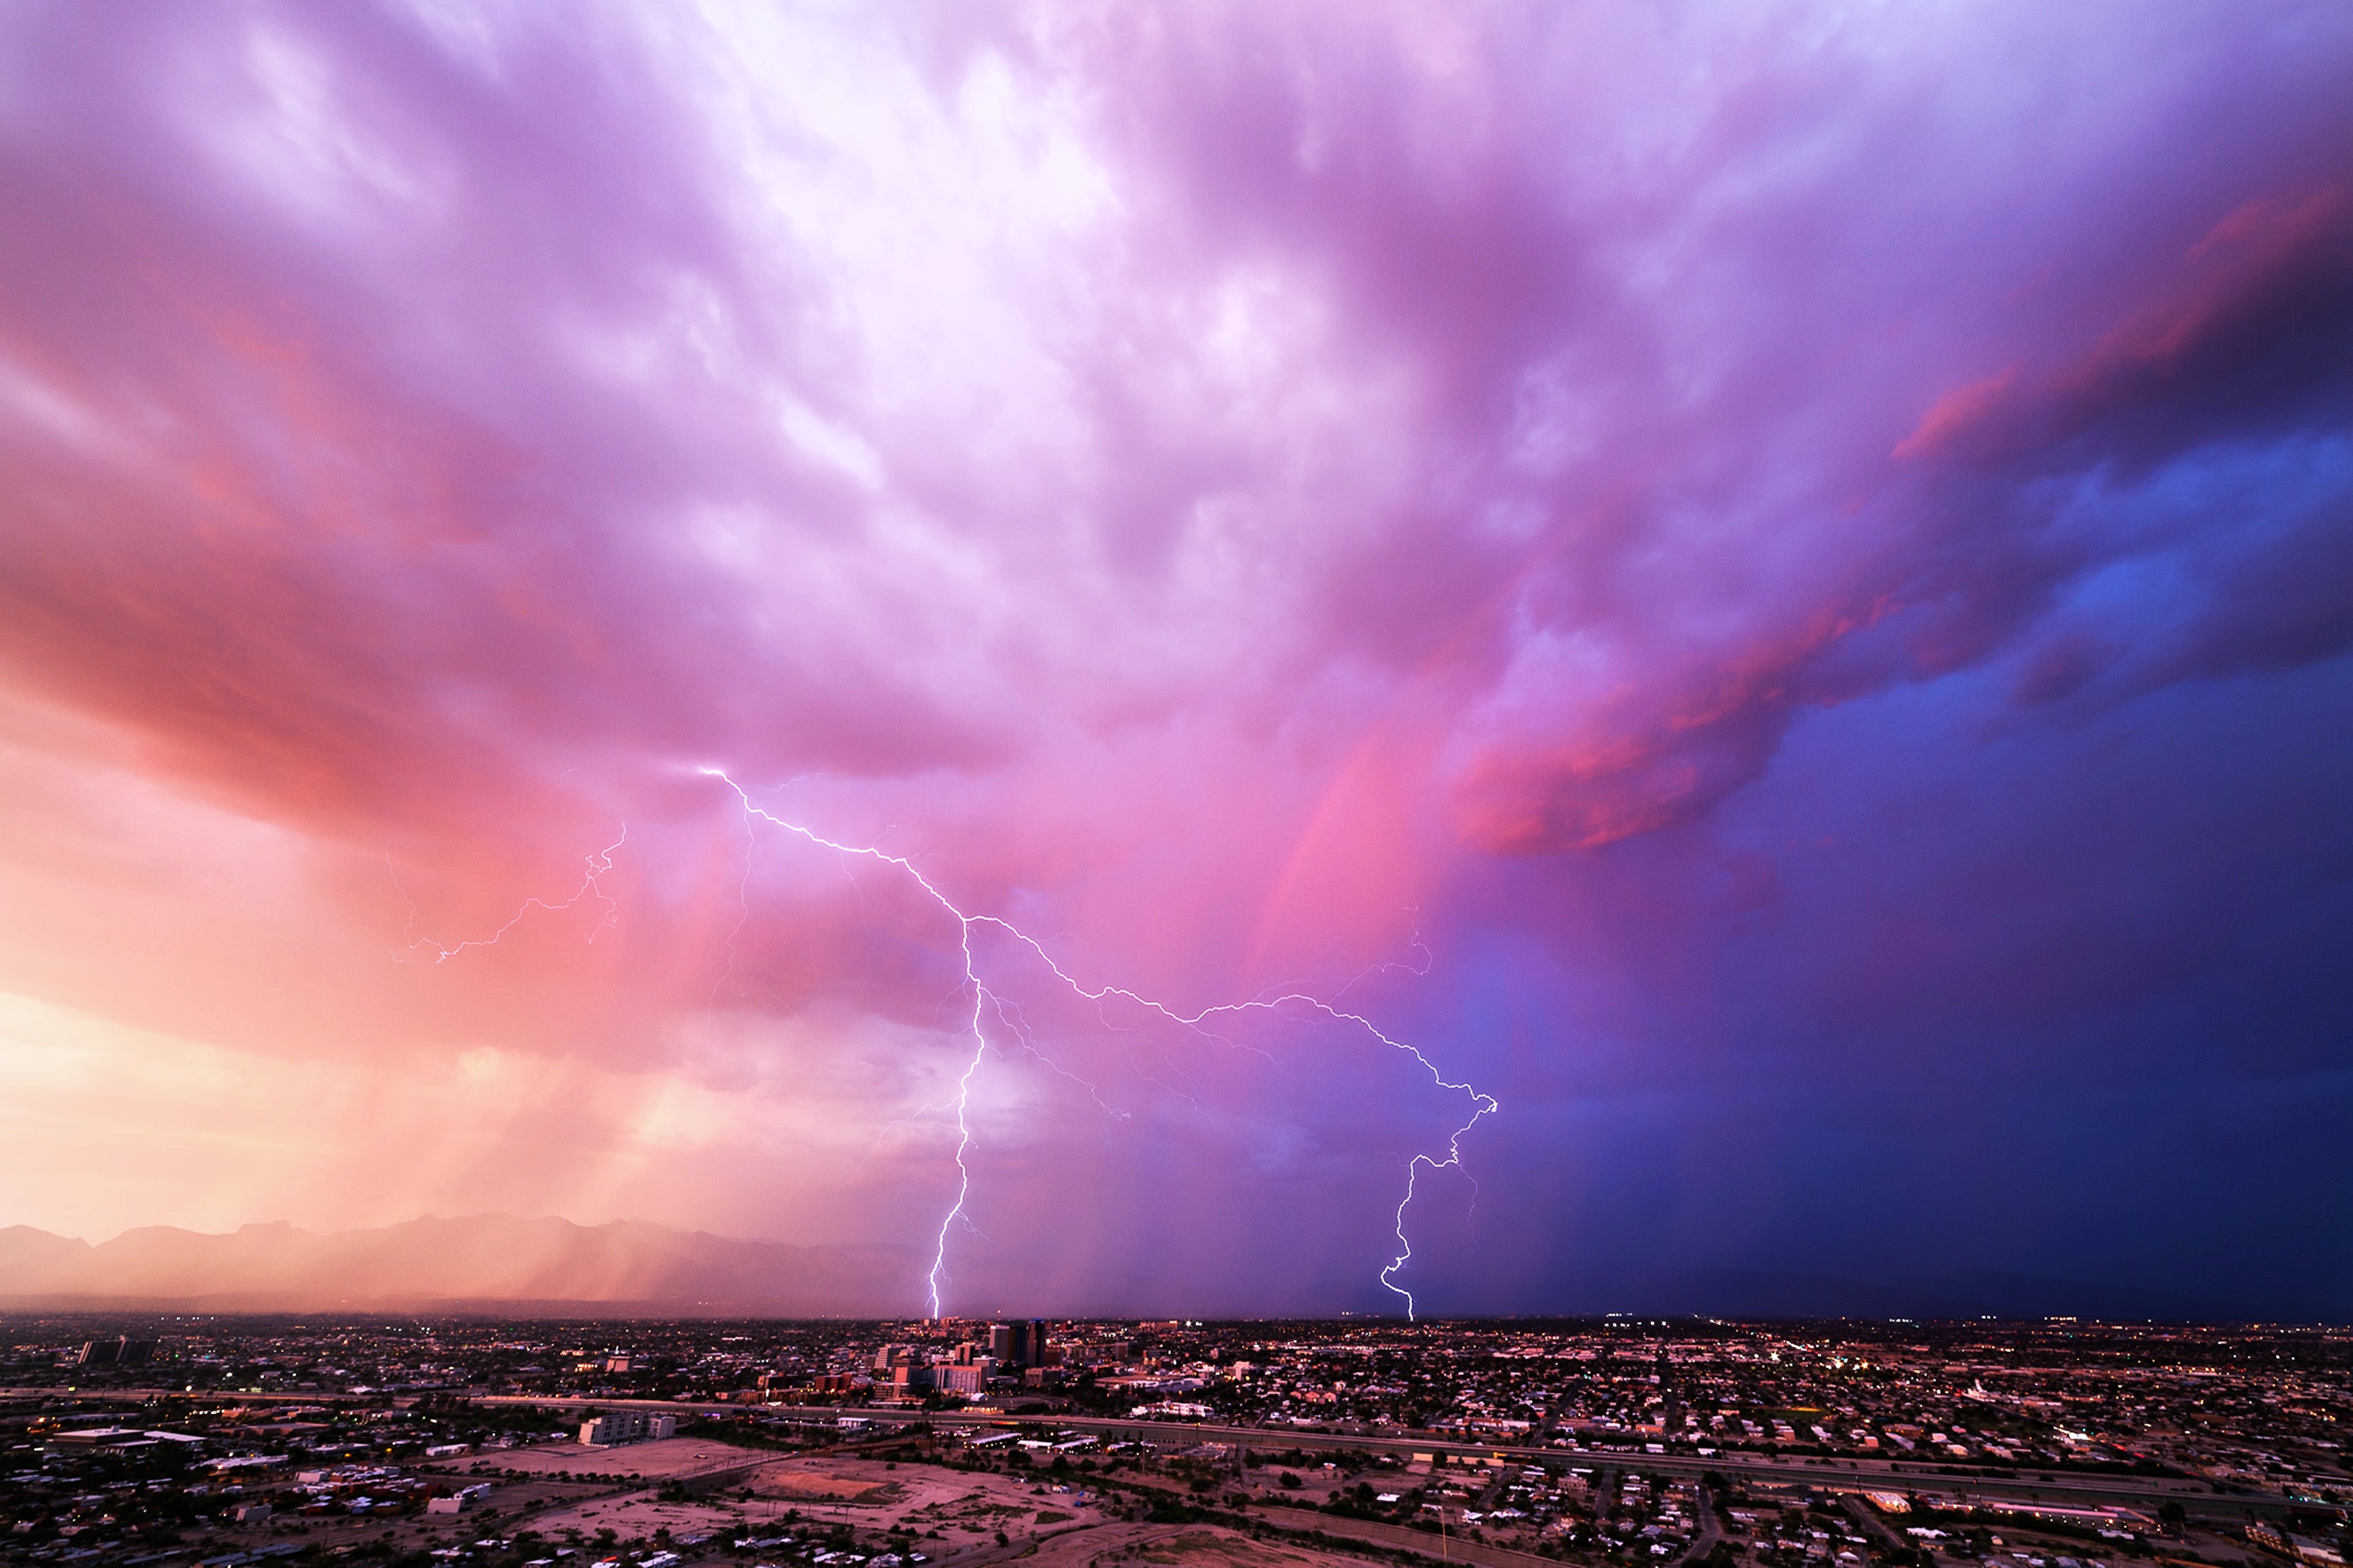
489 1261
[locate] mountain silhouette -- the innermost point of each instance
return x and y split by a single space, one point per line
490 1262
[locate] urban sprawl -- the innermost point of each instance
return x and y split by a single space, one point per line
195 1442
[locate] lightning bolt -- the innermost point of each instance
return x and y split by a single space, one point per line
591 886
984 999
1413 1168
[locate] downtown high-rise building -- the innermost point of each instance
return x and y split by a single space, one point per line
1019 1343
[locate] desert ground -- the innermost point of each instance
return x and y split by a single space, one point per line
672 1458
1179 1546
758 1494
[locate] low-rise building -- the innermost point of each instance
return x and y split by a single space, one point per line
626 1427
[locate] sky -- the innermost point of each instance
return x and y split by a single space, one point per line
1767 588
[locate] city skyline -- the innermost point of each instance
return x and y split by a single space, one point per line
1095 642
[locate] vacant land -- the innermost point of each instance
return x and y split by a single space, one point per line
763 1496
672 1458
1191 1546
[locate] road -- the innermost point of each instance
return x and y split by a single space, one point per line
1873 1525
1711 1529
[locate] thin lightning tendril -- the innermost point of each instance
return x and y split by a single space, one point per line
591 886
983 999
1009 1015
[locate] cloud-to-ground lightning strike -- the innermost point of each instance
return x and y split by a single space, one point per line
983 998
591 886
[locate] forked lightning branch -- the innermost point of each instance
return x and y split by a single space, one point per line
976 990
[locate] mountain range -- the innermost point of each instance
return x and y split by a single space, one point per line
491 1262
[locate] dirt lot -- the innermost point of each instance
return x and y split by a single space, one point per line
1192 1546
670 1459
961 1507
871 1494
950 1512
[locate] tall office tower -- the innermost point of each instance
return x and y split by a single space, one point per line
1037 1342
1009 1343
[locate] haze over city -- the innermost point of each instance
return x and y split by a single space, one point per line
930 661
